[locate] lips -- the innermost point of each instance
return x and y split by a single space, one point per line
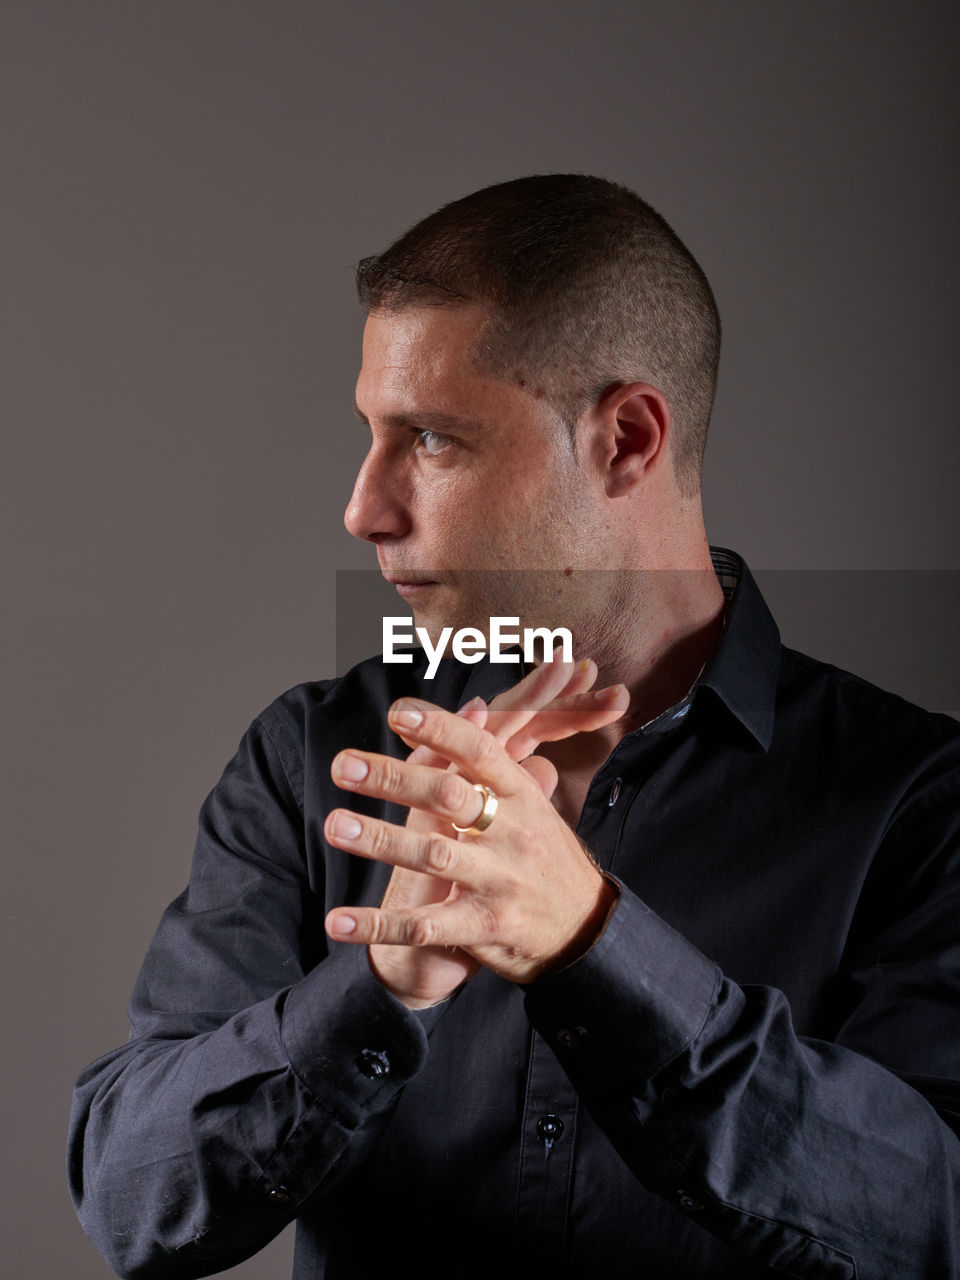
409 584
407 578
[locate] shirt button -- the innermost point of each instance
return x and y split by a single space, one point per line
373 1063
614 792
570 1037
688 1204
279 1195
550 1127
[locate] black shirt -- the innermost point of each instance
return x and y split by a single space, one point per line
754 1070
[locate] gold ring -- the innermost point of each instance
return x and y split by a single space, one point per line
487 813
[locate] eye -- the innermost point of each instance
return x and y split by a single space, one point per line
432 442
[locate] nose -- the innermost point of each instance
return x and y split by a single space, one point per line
377 510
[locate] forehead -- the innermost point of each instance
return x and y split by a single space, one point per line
424 355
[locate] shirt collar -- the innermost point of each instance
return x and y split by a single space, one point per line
741 672
744 668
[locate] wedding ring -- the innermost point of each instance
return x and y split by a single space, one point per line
487 813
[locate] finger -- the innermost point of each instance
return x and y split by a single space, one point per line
474 750
511 711
406 890
475 711
429 853
543 772
584 677
437 791
515 707
567 716
443 926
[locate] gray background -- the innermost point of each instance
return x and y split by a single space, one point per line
186 185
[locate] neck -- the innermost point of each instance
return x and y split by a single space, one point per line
655 639
670 660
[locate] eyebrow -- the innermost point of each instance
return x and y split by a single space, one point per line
425 420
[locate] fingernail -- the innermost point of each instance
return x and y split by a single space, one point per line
352 768
346 827
343 926
407 714
469 706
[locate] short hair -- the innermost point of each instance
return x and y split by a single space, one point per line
588 287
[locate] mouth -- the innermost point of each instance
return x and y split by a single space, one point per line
408 583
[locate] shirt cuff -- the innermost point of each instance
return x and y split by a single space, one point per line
431 1015
639 997
351 1042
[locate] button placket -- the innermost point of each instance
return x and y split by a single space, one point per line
546 1158
571 1037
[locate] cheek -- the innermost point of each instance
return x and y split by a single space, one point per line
451 520
457 500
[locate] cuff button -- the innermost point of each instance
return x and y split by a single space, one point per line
279 1195
688 1204
373 1063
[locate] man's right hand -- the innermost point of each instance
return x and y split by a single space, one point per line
554 701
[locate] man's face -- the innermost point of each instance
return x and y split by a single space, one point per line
468 478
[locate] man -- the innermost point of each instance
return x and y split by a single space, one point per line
675 995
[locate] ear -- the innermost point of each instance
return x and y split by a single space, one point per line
634 421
